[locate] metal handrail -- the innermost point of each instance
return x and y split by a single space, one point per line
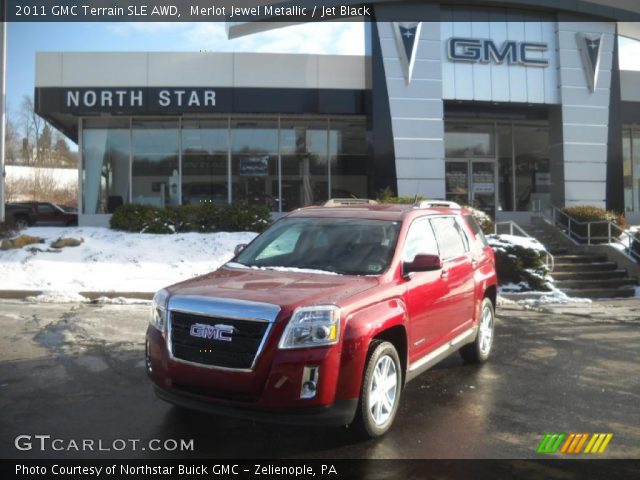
614 232
549 260
512 227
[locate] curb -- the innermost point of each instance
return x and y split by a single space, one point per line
23 294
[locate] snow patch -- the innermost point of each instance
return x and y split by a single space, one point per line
58 297
121 301
282 269
509 240
115 261
554 296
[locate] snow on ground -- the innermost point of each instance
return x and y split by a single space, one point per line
509 240
113 261
533 298
57 297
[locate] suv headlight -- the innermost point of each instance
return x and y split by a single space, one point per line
159 309
312 327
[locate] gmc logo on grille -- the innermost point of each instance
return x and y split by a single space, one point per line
214 332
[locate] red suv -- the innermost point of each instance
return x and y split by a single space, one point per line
324 317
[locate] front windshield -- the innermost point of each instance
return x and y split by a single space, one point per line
351 246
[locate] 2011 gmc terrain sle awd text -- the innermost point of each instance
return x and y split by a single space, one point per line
323 318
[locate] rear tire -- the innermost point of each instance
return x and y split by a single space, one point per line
380 390
21 222
480 349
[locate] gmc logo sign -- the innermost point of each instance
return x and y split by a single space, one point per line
486 51
214 332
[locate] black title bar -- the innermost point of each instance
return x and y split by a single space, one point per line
316 469
184 11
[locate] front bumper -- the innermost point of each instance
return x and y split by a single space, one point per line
342 412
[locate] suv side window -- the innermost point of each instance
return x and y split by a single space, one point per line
475 228
420 239
450 237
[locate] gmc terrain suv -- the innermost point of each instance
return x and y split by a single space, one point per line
324 317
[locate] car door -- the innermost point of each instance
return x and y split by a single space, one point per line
457 273
48 215
424 293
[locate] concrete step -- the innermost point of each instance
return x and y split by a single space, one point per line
603 275
580 258
594 283
585 268
621 292
557 250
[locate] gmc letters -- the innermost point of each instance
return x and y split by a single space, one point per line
486 51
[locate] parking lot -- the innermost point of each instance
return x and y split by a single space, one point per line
76 372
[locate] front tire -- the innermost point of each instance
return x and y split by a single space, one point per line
380 391
480 349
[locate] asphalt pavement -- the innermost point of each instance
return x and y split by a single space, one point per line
76 373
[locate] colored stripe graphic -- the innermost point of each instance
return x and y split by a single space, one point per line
550 443
598 442
573 443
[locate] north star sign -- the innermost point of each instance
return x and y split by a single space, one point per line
126 98
486 51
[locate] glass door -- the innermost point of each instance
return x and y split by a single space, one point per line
472 182
483 186
457 181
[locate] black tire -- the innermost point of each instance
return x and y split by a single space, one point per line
385 410
21 222
72 223
480 350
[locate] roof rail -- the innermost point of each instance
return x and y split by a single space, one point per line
438 204
339 202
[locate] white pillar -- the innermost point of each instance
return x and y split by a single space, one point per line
3 107
3 117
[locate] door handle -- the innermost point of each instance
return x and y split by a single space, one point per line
474 263
444 274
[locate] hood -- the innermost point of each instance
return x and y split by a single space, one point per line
288 289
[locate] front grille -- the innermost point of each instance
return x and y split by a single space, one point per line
239 353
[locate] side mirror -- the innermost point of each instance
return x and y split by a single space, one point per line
422 263
239 248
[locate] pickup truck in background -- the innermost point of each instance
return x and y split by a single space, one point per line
21 216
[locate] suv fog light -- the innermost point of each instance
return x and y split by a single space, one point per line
309 382
147 358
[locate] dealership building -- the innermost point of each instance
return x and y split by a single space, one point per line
513 108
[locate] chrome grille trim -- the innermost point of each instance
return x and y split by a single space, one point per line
221 308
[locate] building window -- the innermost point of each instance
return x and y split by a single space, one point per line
205 149
503 162
105 164
631 167
348 158
532 167
282 163
155 169
305 169
469 140
504 138
254 162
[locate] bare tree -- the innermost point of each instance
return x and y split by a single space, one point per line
12 143
32 126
